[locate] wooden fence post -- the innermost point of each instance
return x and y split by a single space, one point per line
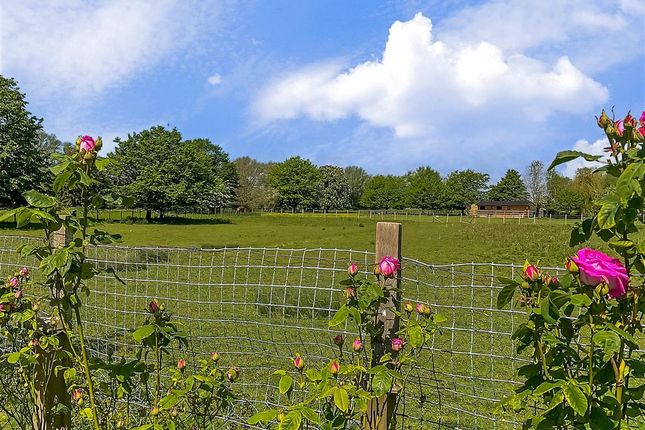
380 411
50 389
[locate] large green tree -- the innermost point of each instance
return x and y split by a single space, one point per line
22 164
562 198
297 182
357 177
464 188
425 189
334 188
510 187
253 190
161 171
384 192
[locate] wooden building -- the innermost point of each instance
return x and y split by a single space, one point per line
504 209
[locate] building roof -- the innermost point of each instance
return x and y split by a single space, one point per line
505 203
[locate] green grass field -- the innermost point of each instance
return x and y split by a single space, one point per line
259 307
429 239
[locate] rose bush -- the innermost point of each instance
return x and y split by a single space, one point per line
336 394
584 330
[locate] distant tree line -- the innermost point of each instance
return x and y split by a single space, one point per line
163 171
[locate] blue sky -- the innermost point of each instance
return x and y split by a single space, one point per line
386 85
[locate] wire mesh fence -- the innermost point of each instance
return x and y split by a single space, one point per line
260 306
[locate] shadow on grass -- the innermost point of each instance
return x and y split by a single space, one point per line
12 226
173 221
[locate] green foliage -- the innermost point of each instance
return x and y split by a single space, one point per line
253 189
535 180
161 171
22 164
510 187
584 331
357 177
425 189
334 188
562 197
297 182
465 187
384 192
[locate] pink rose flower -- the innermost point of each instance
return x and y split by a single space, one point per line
24 272
596 268
642 118
13 282
352 270
389 266
620 127
397 344
87 144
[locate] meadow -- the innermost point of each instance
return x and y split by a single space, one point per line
430 239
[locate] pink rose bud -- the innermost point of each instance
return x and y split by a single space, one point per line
571 266
629 120
598 268
77 394
389 266
181 364
339 340
603 120
350 292
86 144
620 127
19 294
298 362
24 272
420 307
215 356
427 310
3 308
357 346
397 344
642 118
14 282
232 374
531 272
408 307
34 343
334 367
153 306
352 270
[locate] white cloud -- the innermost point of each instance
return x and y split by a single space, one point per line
421 86
594 148
590 32
83 48
215 79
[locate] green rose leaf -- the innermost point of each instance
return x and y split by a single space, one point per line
285 384
339 317
575 398
341 399
264 416
415 336
506 295
381 383
566 156
609 342
143 332
292 421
